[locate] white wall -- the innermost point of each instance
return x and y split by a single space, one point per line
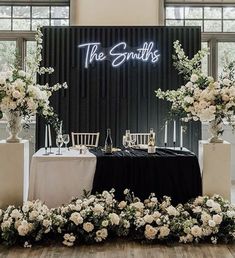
114 12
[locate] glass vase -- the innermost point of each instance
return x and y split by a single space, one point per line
14 126
216 130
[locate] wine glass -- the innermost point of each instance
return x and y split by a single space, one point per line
133 140
128 138
125 142
66 140
59 143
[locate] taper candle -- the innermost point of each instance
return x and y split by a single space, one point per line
49 135
174 132
46 136
181 137
165 138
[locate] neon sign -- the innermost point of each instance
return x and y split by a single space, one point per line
119 53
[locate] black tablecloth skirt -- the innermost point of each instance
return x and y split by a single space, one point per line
168 172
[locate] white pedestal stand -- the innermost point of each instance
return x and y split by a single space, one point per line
14 173
215 164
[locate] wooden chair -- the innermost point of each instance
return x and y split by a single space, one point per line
141 138
87 139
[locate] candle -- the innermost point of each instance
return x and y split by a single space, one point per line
49 135
174 132
181 137
46 137
165 139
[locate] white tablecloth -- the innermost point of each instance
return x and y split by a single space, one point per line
56 179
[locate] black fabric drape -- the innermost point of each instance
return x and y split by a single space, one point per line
119 98
168 172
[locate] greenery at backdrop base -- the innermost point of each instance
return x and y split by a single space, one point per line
98 218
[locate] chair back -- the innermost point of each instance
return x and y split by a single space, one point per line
87 139
141 138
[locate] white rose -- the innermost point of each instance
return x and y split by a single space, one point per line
150 232
101 234
104 223
216 207
23 229
76 218
206 231
46 223
225 97
189 85
164 231
21 73
216 85
205 217
137 205
5 225
172 211
194 78
15 214
33 215
231 214
148 218
217 219
156 215
122 205
226 82
211 223
16 94
98 209
114 218
196 231
189 99
88 227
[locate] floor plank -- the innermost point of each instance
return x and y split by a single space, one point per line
122 249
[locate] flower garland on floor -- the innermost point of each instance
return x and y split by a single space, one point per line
100 217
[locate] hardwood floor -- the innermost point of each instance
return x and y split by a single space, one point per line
122 249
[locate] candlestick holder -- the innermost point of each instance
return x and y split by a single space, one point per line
165 144
174 144
181 148
50 152
46 153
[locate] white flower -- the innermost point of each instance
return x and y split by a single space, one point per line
148 218
189 99
150 232
126 223
217 219
211 223
172 211
205 217
46 223
114 218
122 205
137 205
98 209
164 231
196 231
226 82
105 223
21 73
23 228
156 215
15 214
126 191
216 207
194 78
101 234
33 215
231 214
5 225
76 218
88 227
16 94
209 203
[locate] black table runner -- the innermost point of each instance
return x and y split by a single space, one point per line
168 172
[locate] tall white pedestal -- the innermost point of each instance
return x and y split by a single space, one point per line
14 173
215 164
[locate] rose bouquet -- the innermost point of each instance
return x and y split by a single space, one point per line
202 98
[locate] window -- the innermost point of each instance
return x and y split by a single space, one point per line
27 18
210 19
217 24
7 53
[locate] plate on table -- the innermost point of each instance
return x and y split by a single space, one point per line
113 149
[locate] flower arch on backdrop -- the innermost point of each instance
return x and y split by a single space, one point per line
99 218
202 98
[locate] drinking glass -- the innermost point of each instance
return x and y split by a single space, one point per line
66 140
59 143
133 140
124 142
128 137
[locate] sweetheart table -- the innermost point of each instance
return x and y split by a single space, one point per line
56 179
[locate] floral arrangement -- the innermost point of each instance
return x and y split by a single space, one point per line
98 218
201 98
20 93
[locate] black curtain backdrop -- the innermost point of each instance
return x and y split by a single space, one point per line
123 97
